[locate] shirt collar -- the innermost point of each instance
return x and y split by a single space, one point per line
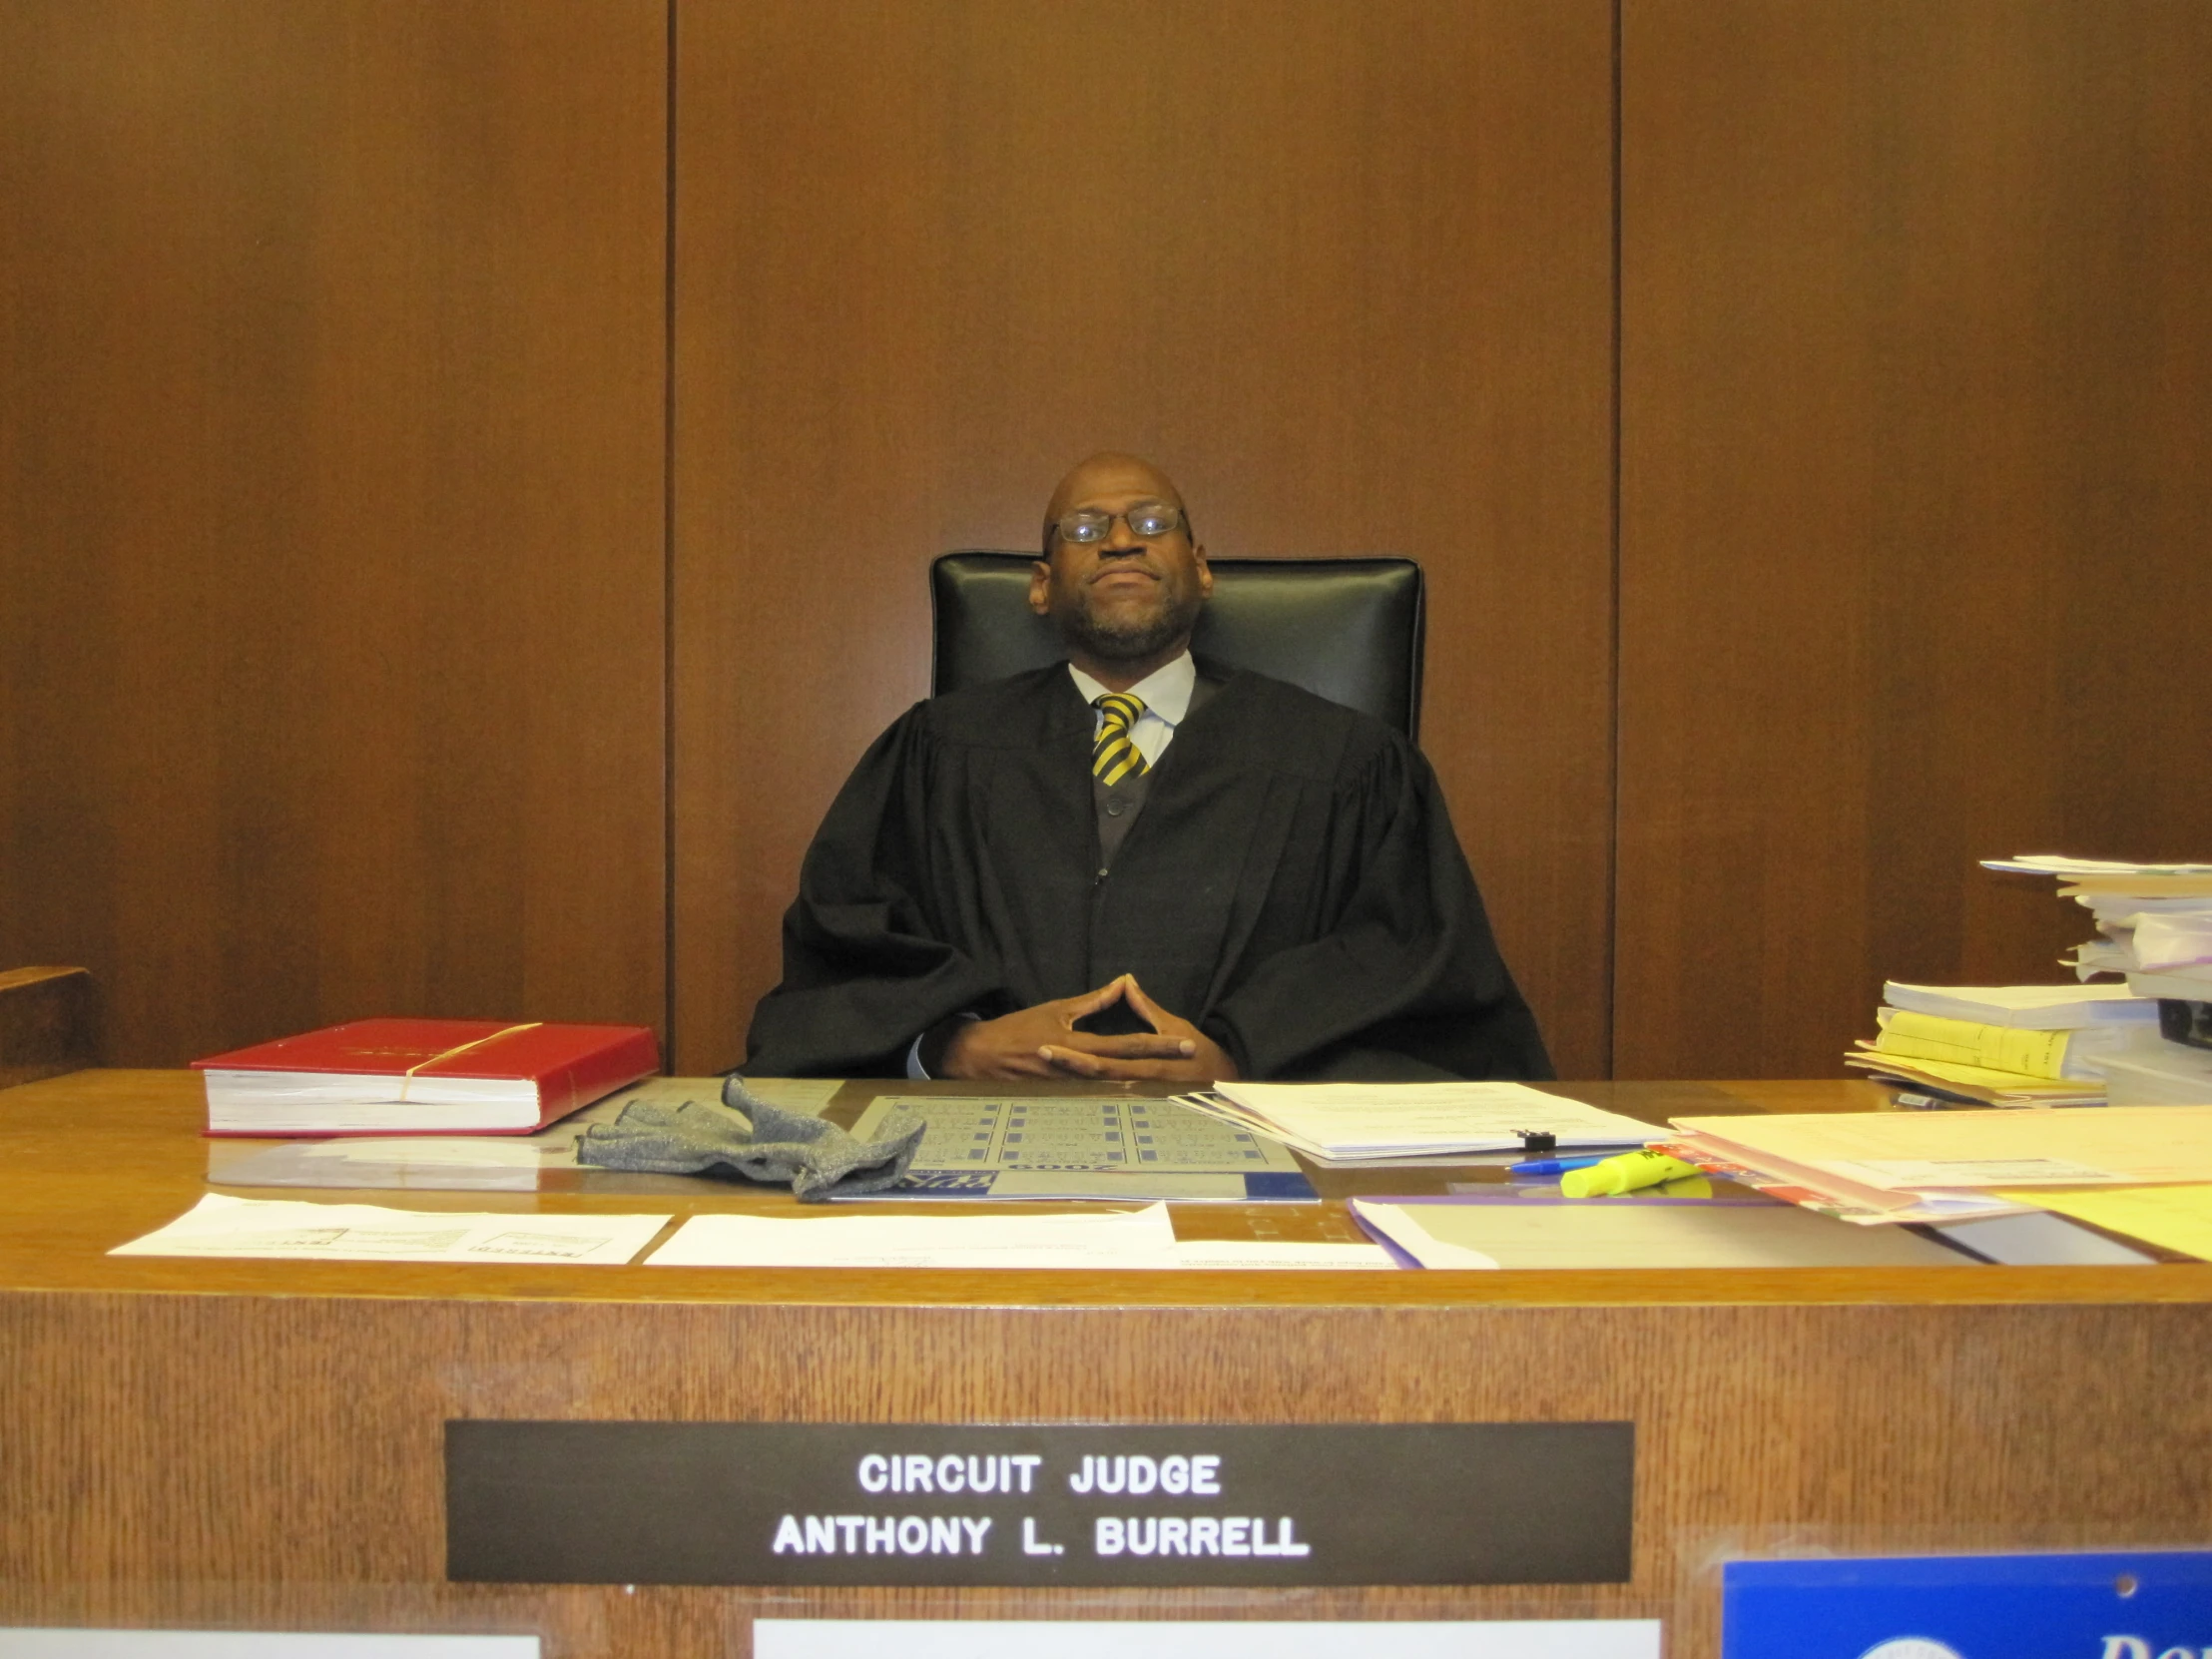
1165 691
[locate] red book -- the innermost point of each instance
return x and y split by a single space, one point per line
422 1076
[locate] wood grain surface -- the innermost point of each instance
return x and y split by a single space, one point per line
97 1158
1916 395
1344 270
330 510
49 1023
258 1444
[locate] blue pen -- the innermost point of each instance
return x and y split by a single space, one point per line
1552 1166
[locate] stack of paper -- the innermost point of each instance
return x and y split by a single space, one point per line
1973 1085
2159 1073
2155 920
1367 1122
1914 1166
2154 925
2004 1045
2029 1007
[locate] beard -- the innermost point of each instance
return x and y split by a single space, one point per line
1124 638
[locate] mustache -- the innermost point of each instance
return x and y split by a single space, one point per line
1123 563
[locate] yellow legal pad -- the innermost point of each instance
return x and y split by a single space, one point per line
2178 1217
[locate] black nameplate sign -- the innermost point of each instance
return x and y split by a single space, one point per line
899 1504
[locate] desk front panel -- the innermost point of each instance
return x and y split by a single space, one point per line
260 1443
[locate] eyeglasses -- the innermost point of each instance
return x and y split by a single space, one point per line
1147 521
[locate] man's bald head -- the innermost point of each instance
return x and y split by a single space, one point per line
1110 473
1124 596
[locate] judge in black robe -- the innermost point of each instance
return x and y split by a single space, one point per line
1005 889
1291 885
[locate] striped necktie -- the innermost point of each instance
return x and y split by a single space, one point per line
1113 756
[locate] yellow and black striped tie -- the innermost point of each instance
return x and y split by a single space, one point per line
1113 756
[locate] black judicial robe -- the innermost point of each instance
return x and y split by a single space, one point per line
1292 886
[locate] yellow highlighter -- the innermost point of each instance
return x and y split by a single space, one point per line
1623 1174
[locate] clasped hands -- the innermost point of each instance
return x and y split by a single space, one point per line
1042 1041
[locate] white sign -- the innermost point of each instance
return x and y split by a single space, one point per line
1204 1639
244 1644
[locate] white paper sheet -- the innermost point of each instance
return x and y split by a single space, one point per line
282 1229
1205 1639
1093 1239
2029 1008
249 1644
1394 1223
1140 1238
2174 939
1355 1120
2056 863
1602 1235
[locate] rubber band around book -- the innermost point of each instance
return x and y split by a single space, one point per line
408 1076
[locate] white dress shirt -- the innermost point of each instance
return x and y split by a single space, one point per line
1166 696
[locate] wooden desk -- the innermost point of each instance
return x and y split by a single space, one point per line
257 1444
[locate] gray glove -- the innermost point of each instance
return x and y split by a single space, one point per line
817 1160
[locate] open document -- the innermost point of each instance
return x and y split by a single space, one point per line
1352 1121
289 1230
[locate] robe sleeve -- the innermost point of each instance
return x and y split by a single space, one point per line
863 972
1404 981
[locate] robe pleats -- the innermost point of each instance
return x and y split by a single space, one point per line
1293 886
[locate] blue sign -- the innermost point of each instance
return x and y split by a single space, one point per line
2126 1604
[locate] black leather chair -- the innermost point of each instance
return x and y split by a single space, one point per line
1350 630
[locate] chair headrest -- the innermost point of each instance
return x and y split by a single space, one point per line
1350 630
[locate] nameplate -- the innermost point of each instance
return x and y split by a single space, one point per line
910 1504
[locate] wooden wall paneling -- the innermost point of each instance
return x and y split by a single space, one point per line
1916 395
332 510
1344 270
49 1023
